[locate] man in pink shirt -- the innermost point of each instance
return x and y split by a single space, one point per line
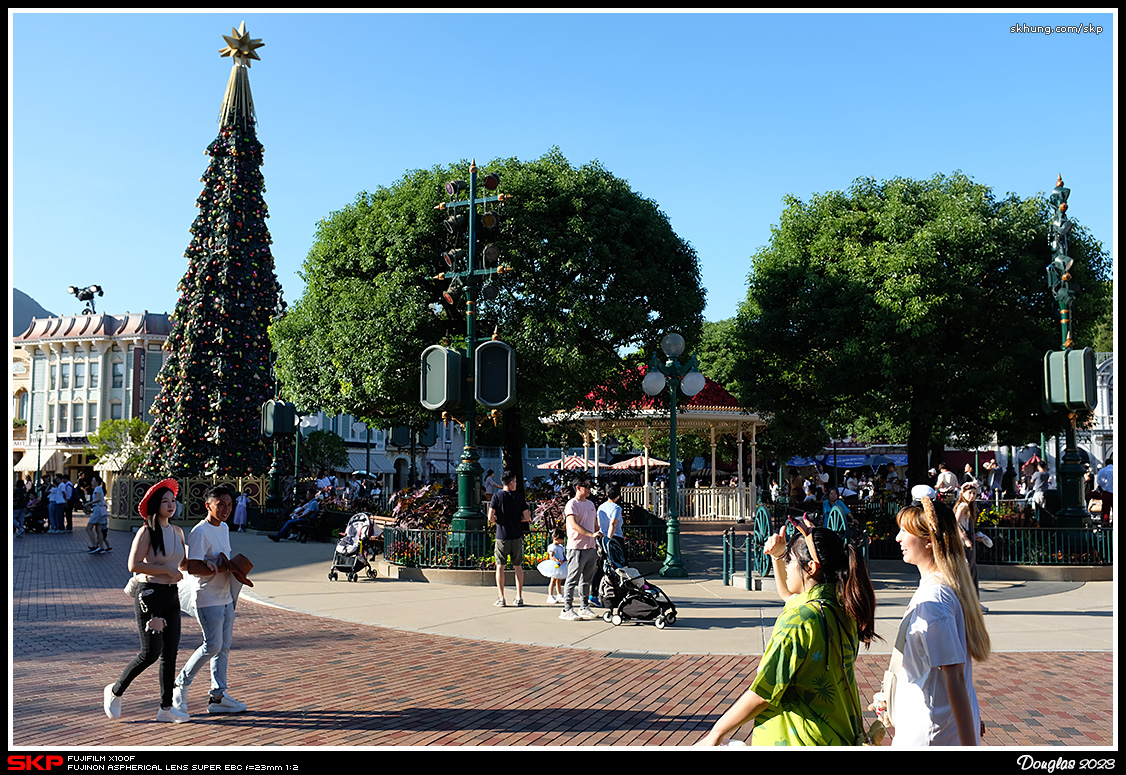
582 556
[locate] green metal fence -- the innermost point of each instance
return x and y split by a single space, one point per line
473 550
1018 539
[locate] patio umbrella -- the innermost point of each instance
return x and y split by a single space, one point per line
570 463
877 460
638 463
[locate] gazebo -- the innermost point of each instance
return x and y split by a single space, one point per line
713 412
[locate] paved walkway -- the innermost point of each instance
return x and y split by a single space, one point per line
384 662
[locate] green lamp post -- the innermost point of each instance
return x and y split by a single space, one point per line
687 376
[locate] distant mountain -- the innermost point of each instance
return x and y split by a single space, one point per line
24 308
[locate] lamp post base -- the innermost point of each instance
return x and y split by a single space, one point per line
673 566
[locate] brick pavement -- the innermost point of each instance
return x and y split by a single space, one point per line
311 681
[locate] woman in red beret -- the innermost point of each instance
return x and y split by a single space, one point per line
157 552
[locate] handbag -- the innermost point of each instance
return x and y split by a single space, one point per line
1095 506
131 586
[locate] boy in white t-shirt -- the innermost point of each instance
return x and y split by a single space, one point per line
215 609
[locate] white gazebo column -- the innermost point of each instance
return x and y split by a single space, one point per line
647 468
597 450
586 451
754 472
713 455
740 513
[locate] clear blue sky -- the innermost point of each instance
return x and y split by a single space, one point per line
714 116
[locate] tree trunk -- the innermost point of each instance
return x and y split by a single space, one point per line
512 444
918 444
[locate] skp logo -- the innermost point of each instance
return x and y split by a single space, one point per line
25 762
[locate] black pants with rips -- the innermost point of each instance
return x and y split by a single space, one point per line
155 601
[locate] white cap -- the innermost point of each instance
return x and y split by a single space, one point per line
920 491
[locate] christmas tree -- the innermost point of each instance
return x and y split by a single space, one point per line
206 418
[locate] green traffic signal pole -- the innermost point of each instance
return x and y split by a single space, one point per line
1070 468
470 516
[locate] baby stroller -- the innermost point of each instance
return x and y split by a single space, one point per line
626 594
35 516
350 556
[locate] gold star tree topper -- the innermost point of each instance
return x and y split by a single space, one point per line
240 46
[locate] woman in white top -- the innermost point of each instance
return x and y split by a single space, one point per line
96 527
156 555
933 701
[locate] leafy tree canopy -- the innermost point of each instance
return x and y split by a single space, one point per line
597 268
915 311
124 437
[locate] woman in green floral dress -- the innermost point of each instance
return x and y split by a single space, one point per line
805 690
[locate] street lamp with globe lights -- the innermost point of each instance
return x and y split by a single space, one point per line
687 375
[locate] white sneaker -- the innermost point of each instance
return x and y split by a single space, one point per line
111 703
569 615
551 600
172 715
180 699
586 613
225 704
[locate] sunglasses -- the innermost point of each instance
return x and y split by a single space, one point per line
805 529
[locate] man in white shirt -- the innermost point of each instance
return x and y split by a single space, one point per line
215 605
946 483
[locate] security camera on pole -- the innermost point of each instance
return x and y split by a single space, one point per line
485 373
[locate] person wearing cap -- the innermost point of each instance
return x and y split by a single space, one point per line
209 546
156 557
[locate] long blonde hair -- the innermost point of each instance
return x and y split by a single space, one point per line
936 523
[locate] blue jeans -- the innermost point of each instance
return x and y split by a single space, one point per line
55 516
218 623
287 528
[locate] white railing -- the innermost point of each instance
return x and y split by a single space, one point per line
702 503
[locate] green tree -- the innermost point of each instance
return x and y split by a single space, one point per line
597 268
323 451
718 352
120 437
914 310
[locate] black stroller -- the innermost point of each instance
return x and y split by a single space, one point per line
35 516
350 556
626 594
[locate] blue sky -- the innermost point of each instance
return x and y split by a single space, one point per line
715 116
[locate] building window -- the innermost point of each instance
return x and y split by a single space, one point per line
23 406
118 375
50 419
80 375
64 376
94 369
91 417
54 373
62 418
115 410
77 419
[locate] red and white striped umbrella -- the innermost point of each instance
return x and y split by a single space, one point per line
570 463
639 462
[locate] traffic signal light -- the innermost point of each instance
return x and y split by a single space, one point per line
441 378
495 375
278 417
455 224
